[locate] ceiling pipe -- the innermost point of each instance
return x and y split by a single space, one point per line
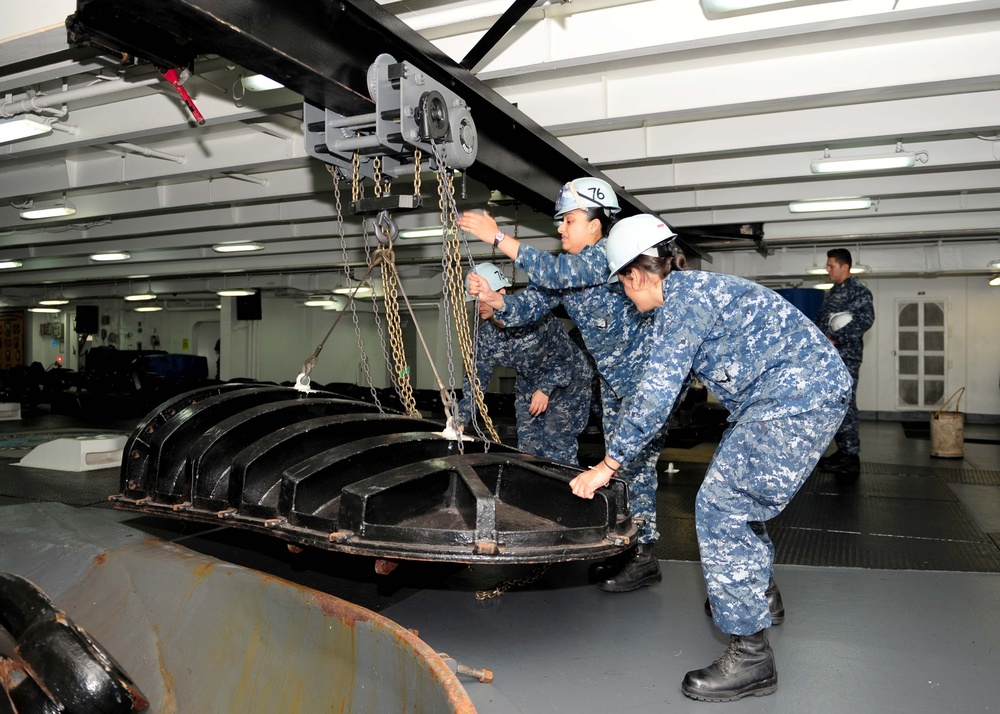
28 102
146 151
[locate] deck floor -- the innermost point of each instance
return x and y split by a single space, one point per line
891 584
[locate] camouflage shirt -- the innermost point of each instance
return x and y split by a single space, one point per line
756 353
853 297
616 334
542 354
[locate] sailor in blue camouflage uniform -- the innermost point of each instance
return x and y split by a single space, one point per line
616 335
786 389
846 314
552 387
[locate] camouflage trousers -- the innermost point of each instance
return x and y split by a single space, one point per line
757 468
639 473
847 437
553 433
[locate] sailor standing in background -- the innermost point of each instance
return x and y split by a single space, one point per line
552 389
845 316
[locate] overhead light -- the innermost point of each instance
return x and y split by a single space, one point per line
715 7
318 302
995 280
5 264
993 265
823 286
830 204
858 269
816 270
880 162
22 127
259 83
53 301
434 232
236 292
48 310
110 257
148 308
140 297
237 247
47 209
361 292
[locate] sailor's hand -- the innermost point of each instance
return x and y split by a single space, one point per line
480 224
539 403
587 483
480 288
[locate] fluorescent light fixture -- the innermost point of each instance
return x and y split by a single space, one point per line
149 308
235 292
433 232
54 301
49 209
5 264
140 297
237 247
816 270
318 302
830 204
993 265
715 7
47 310
899 160
858 269
823 286
259 83
995 281
362 292
110 257
22 127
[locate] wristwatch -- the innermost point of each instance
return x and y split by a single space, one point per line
498 238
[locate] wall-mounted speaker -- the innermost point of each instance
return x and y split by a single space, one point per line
87 319
248 307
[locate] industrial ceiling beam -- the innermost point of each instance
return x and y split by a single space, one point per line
323 50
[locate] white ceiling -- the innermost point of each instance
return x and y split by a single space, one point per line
710 121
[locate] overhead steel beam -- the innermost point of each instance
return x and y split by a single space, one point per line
500 28
322 50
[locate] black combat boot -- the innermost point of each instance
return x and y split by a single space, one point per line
774 603
840 463
640 569
746 667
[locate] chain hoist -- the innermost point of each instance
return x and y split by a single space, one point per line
454 291
390 286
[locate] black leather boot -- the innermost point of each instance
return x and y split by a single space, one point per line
746 667
774 603
639 570
839 462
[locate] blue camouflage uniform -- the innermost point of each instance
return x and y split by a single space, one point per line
546 359
786 390
617 336
853 297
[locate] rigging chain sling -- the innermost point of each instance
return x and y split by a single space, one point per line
454 287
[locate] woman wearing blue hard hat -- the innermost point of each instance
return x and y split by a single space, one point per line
615 334
784 386
552 387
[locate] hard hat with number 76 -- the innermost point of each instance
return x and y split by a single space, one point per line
586 193
632 237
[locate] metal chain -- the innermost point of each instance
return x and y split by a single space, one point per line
417 156
454 288
377 176
506 585
401 375
365 368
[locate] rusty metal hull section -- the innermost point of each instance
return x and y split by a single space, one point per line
325 471
199 635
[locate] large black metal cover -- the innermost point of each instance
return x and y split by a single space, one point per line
322 470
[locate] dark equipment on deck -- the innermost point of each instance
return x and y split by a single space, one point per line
316 469
49 664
